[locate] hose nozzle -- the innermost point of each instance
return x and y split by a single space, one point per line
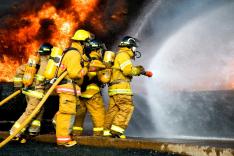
148 73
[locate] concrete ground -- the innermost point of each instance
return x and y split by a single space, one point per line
88 145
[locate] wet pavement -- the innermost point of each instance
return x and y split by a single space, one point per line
43 149
217 143
88 145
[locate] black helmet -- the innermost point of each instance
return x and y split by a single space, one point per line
45 49
129 42
94 44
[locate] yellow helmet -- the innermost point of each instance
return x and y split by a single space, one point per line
97 64
82 35
95 55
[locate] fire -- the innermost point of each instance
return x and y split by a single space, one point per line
49 24
7 65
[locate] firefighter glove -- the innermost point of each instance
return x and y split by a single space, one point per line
141 69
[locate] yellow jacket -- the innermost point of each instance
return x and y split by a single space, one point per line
71 62
122 73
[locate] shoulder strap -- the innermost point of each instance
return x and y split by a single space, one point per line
70 48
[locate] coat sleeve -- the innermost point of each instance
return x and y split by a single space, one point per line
126 65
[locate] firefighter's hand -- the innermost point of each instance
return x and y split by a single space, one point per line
141 69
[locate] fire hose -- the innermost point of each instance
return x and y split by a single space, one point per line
96 65
35 111
10 97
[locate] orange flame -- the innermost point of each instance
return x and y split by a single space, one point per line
64 23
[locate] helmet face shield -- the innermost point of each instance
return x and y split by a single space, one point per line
136 53
133 49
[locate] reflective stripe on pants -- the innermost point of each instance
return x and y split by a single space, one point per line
117 129
63 139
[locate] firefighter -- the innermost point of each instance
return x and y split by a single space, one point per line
33 88
121 106
69 88
91 92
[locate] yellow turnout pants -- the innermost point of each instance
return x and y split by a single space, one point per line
95 106
119 113
32 103
65 117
